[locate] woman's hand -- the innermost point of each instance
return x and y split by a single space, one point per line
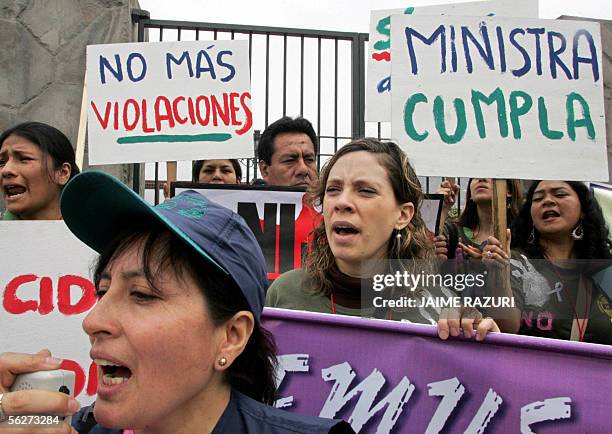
441 246
470 252
449 190
32 402
494 254
452 321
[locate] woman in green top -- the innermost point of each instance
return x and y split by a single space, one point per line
36 161
370 198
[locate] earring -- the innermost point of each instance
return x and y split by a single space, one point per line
578 232
397 245
531 238
222 361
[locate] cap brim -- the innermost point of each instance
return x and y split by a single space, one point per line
97 207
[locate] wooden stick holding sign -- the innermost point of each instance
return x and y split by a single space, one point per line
80 143
508 319
500 223
170 172
170 178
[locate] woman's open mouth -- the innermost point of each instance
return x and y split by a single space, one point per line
113 374
343 228
344 231
550 215
13 192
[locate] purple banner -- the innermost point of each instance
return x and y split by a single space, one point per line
385 376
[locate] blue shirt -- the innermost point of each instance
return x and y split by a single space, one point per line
242 415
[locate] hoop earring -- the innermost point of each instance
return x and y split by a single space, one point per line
531 238
578 232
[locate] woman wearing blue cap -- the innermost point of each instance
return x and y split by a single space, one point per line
176 332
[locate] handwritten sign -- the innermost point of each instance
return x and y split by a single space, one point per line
378 84
499 98
46 293
168 101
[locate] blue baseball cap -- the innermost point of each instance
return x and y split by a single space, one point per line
96 206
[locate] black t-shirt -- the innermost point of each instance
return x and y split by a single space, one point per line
546 296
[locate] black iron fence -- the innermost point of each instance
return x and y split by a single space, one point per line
317 74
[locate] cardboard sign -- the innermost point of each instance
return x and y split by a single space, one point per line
378 84
499 98
46 293
391 377
280 218
168 101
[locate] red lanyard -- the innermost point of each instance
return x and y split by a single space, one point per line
582 325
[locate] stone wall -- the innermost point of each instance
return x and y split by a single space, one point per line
42 59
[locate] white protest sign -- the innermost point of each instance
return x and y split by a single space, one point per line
499 98
378 82
168 101
46 293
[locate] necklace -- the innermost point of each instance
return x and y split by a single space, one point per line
580 323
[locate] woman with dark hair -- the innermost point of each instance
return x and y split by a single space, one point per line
36 161
176 332
471 232
212 172
217 171
560 241
464 242
371 226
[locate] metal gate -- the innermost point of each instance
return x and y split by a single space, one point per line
318 74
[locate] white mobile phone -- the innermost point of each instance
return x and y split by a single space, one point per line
58 380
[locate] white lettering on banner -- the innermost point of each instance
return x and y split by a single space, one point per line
343 375
451 391
289 363
485 413
540 411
